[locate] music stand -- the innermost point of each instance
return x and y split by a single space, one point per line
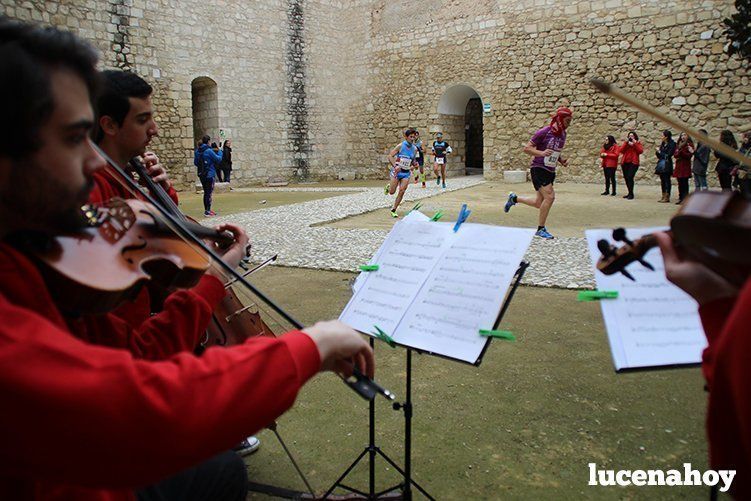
372 450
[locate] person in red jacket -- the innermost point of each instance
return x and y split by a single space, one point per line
684 152
725 313
630 151
128 406
609 155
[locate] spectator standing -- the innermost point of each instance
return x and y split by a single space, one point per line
664 168
206 159
684 151
225 168
725 165
744 180
609 156
700 164
631 150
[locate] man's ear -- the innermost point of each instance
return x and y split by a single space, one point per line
108 125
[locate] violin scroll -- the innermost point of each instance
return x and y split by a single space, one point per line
616 259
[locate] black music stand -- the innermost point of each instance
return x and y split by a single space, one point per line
372 450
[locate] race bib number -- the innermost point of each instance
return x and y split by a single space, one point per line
552 160
405 163
440 161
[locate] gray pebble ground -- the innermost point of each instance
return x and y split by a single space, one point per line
292 232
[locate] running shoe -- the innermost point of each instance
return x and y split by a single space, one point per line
443 186
438 181
544 233
510 202
394 214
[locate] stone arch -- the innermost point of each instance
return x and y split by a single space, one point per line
205 99
460 111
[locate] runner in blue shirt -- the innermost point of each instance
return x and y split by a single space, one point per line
401 158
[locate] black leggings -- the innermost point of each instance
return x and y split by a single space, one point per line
629 173
682 188
208 191
609 178
221 478
726 180
665 182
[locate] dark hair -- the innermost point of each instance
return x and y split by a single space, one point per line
205 139
409 131
667 134
610 142
112 101
636 136
214 145
728 138
29 55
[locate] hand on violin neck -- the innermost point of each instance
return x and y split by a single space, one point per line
697 280
233 254
156 170
340 346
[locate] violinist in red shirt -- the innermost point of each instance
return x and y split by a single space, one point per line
609 155
132 409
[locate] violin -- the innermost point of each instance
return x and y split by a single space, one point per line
139 246
711 227
232 322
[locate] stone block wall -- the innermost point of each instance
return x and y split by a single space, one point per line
320 88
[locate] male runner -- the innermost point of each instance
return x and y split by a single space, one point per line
440 151
545 146
420 157
401 158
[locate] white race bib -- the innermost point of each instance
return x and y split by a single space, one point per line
405 163
552 160
440 161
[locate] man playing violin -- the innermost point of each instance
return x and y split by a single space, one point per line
725 312
128 406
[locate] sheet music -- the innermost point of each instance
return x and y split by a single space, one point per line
652 322
435 289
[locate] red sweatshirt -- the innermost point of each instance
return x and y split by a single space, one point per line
631 152
727 369
610 160
86 421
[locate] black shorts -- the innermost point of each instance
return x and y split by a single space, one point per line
541 177
420 160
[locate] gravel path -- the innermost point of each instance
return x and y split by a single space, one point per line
291 231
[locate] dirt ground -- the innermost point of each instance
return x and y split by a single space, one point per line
577 207
523 425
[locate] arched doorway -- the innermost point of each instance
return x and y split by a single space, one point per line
460 120
205 108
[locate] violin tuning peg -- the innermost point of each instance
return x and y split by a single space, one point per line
619 235
646 264
628 275
605 248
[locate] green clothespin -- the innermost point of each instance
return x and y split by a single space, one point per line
507 335
438 215
416 207
596 295
368 267
384 337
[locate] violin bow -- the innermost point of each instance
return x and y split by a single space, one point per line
653 111
359 382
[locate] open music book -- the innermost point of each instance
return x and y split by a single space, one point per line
652 323
435 289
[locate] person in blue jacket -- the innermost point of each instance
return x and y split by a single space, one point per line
207 159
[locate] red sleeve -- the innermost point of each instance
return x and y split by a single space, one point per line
713 316
123 422
613 152
177 328
639 148
729 411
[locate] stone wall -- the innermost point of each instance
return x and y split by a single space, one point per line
321 88
525 57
